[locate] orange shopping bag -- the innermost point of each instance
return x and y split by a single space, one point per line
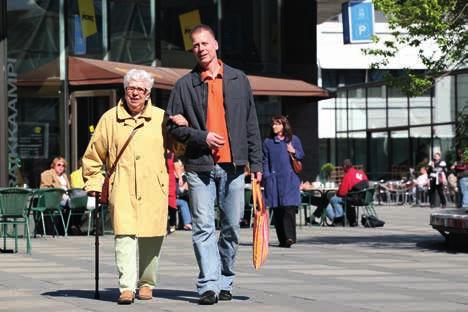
261 227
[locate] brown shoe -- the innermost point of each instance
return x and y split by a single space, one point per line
126 297
145 293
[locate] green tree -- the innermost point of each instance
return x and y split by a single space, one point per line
418 24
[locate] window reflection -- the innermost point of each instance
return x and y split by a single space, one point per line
90 43
131 32
397 108
378 163
462 92
444 100
173 53
357 109
444 140
33 110
376 103
420 138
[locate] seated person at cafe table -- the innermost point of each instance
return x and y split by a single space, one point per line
353 180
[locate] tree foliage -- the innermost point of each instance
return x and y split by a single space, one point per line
419 24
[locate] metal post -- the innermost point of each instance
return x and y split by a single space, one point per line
96 246
3 96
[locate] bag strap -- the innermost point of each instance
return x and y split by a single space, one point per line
111 171
258 206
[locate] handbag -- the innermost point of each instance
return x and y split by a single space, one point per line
104 198
296 164
371 221
261 227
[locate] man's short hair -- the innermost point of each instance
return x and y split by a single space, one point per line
201 27
347 163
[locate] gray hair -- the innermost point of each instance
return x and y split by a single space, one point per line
139 74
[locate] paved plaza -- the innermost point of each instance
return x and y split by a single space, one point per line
404 266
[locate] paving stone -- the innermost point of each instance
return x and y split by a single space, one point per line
404 266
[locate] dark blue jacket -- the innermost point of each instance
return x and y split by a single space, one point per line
190 99
281 183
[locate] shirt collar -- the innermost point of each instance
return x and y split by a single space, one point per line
123 114
205 75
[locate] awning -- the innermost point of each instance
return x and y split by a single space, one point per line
83 72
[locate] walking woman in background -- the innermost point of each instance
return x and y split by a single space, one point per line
281 183
438 179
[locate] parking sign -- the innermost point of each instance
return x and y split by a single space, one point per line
358 21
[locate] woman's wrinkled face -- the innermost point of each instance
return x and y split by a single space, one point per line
136 95
277 127
59 167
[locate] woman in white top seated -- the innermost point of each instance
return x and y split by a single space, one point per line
56 177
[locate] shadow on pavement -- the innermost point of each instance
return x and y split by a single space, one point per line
111 294
423 242
108 294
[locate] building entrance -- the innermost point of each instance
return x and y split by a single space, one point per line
86 109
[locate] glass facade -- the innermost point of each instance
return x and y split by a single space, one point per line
34 89
41 34
381 128
91 42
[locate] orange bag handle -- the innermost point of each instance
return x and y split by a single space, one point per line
257 197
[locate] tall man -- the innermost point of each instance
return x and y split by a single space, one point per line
221 139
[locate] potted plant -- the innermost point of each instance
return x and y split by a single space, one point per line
326 170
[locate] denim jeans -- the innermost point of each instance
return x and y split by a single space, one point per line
215 257
184 211
335 208
463 184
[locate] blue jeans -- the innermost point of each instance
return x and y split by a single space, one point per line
463 184
335 208
215 257
184 211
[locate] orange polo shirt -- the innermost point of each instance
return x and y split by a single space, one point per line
215 115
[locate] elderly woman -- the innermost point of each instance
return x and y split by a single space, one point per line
56 176
138 187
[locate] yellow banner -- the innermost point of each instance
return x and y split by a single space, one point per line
87 16
187 22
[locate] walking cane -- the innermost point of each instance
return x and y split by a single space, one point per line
96 246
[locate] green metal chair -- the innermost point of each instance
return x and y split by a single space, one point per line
15 209
360 199
46 202
78 206
304 208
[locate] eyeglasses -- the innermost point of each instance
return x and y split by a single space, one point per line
137 89
60 165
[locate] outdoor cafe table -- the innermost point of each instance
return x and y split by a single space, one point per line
321 201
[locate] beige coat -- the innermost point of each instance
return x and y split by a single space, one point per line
139 186
49 178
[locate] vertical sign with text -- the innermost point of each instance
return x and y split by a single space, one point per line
13 159
358 21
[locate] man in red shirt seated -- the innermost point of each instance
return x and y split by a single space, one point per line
353 180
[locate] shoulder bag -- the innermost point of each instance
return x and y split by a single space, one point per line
104 198
296 164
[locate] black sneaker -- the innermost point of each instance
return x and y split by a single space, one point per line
225 295
208 297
